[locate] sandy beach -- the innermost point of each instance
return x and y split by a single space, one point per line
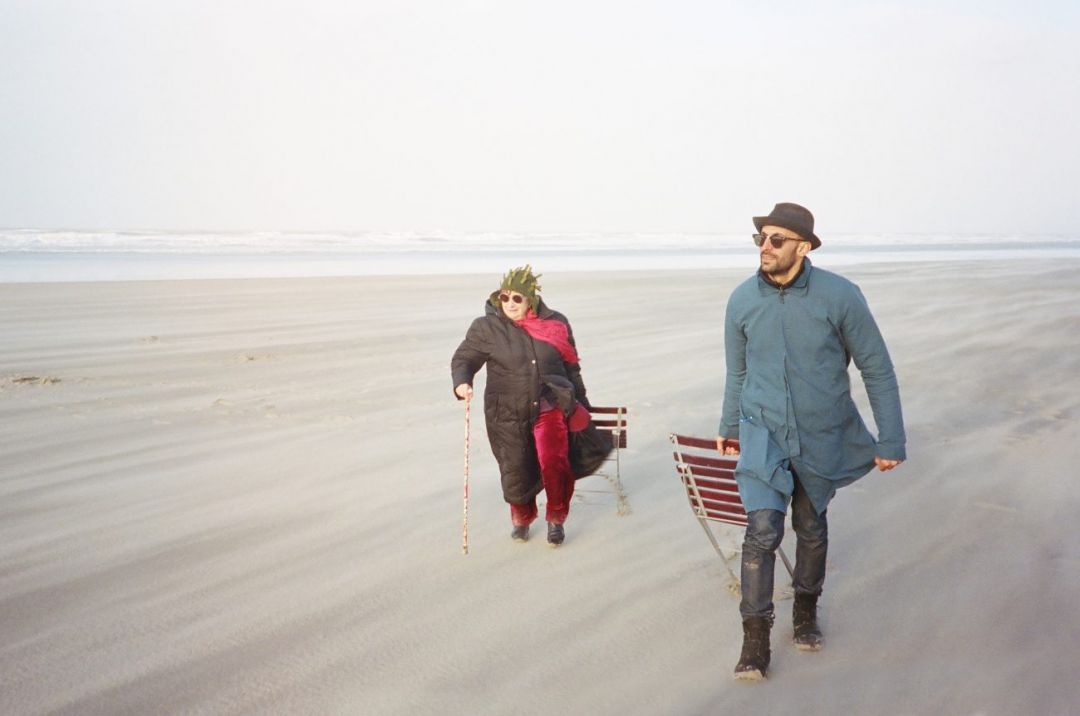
245 496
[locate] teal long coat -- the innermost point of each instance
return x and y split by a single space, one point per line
787 396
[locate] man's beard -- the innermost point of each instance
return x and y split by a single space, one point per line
779 267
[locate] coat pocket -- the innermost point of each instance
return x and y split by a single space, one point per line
761 458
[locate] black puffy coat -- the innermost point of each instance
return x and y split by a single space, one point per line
522 371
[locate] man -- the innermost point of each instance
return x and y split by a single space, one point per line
790 332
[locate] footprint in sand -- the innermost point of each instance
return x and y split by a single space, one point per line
252 357
247 408
33 380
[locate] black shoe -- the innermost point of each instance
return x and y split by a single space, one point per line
754 661
804 617
520 533
556 534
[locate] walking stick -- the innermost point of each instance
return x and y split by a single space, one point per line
465 509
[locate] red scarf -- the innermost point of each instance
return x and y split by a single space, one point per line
550 330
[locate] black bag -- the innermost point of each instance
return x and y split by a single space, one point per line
588 450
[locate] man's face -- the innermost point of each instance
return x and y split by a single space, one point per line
779 261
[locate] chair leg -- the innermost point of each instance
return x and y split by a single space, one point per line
790 571
712 539
622 504
735 581
621 501
716 546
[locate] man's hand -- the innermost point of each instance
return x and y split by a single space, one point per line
464 391
884 464
727 446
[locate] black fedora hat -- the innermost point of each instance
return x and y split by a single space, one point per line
793 218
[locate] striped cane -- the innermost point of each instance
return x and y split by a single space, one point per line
465 508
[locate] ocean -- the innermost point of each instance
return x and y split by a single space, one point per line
31 256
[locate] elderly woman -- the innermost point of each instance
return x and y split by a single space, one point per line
533 401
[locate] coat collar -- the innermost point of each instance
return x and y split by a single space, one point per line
798 285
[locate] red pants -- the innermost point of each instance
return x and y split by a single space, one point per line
552 452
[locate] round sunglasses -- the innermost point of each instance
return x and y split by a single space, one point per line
506 298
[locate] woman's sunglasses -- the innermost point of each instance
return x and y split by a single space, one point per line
506 297
777 240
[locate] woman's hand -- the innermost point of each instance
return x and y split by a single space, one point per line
464 391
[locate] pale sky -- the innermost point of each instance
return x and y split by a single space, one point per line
496 115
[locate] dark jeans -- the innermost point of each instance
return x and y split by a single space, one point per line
764 531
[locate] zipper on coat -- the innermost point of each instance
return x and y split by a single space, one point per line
538 386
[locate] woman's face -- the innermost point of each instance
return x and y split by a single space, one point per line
514 305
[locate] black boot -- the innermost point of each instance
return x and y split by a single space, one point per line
520 533
804 617
556 535
754 662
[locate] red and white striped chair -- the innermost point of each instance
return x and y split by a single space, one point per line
613 421
709 479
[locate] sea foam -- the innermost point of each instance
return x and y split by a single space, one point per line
36 256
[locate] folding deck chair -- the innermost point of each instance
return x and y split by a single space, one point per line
612 420
709 479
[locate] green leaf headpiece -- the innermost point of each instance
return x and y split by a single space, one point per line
523 280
